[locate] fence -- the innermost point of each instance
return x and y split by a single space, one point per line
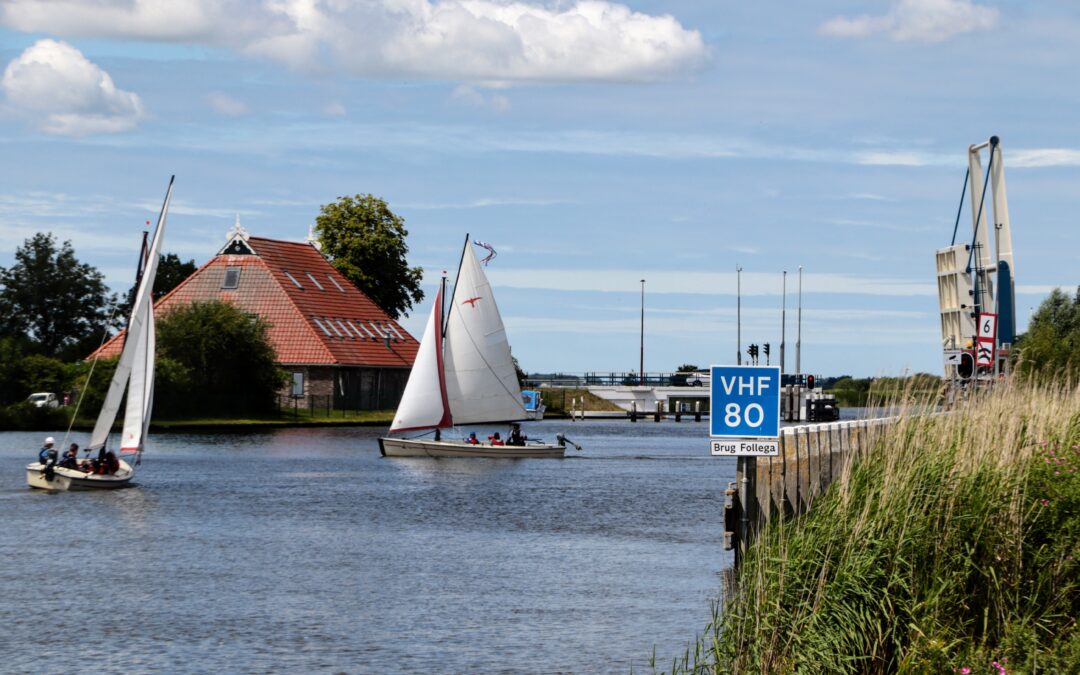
811 457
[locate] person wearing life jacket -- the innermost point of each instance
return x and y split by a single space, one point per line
496 439
47 452
516 437
472 439
112 464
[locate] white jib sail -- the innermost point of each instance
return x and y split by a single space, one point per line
481 382
141 385
423 403
136 340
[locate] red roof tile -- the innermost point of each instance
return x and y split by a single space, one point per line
320 319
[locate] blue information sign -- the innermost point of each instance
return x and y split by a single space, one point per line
745 402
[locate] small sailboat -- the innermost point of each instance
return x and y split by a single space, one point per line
463 374
135 373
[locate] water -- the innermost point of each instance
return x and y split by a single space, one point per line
303 550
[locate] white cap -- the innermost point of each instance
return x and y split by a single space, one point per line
50 440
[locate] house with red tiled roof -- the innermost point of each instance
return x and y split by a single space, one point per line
338 346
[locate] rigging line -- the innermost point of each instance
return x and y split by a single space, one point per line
457 277
978 217
86 384
959 209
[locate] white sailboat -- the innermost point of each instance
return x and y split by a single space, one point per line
135 373
463 374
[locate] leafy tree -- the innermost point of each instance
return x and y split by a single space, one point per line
11 355
52 300
1051 347
365 241
686 368
171 273
216 360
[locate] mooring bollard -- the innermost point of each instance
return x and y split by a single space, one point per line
697 411
656 415
633 411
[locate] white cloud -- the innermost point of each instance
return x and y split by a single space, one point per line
1037 157
469 40
916 20
227 105
475 98
142 19
334 110
691 282
62 92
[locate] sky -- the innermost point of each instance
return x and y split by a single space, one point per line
593 143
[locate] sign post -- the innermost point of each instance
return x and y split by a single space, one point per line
984 349
744 418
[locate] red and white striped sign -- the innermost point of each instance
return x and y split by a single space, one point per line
985 345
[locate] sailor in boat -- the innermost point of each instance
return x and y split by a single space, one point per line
71 457
496 439
516 437
472 439
47 452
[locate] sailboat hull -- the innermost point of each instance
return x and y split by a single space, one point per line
73 479
406 447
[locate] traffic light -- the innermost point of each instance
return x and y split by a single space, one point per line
753 352
809 381
766 345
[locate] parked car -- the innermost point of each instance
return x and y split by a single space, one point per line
44 399
701 378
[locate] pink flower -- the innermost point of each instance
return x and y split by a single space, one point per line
1000 668
963 671
1044 502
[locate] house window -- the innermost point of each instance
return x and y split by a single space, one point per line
378 331
355 329
321 326
343 327
293 279
393 329
232 278
297 384
314 281
330 322
334 281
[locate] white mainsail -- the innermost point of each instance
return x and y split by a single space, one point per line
481 383
135 368
423 403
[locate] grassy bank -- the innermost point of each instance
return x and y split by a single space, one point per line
559 400
952 547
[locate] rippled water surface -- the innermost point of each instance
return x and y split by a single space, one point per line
303 550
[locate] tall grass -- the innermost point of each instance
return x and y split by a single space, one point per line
952 544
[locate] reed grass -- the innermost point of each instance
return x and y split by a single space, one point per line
950 546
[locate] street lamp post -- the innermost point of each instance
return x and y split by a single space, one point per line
738 315
641 365
798 333
783 323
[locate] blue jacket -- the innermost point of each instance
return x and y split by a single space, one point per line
43 455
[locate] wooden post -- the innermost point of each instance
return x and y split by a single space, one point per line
697 411
656 415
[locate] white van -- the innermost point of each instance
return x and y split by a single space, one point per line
44 399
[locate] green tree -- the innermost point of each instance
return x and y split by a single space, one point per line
51 300
1051 347
216 360
171 272
365 241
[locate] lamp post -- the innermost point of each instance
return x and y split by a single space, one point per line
738 315
798 333
783 323
641 372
